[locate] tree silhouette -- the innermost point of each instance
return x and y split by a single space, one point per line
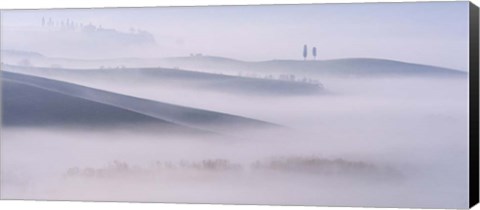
304 52
314 53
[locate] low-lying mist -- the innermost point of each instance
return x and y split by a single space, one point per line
399 142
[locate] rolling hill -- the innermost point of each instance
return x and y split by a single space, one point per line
348 67
358 67
25 105
176 77
62 102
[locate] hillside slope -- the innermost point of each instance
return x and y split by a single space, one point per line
25 105
190 117
357 67
361 67
176 77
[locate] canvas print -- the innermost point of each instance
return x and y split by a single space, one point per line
315 104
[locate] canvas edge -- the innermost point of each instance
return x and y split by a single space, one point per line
1 101
474 106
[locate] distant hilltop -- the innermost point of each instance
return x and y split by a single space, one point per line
133 35
65 37
20 53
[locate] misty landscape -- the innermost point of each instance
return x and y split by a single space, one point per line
289 105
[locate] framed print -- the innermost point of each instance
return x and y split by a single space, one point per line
354 105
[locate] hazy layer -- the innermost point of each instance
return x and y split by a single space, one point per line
434 33
417 127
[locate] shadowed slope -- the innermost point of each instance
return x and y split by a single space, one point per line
26 105
196 118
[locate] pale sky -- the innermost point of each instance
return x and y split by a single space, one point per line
434 33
